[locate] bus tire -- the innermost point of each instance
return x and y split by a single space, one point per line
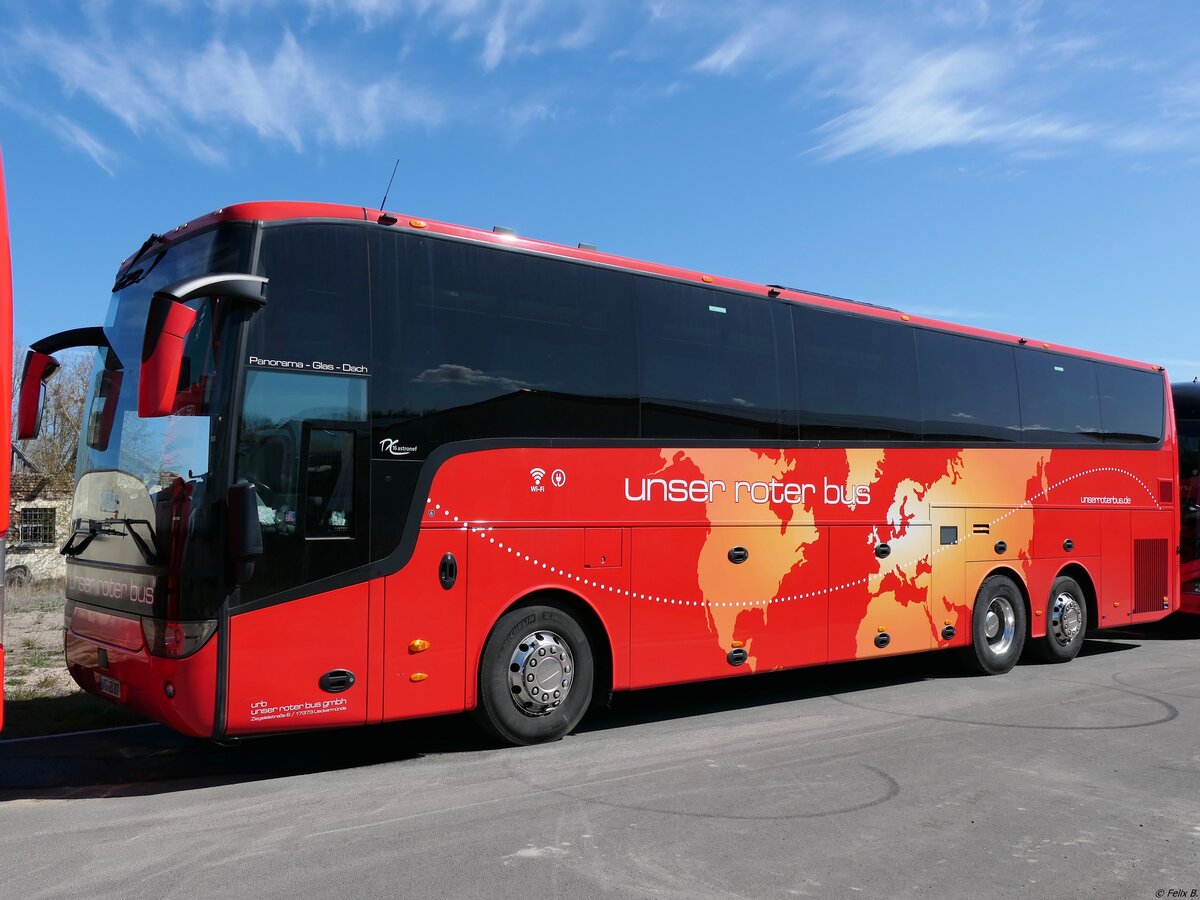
520 703
1066 622
997 627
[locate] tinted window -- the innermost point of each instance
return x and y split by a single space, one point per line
477 343
709 367
318 307
1131 403
968 388
1189 490
296 445
857 377
329 487
1059 398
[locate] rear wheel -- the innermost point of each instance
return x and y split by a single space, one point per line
535 678
997 627
1066 622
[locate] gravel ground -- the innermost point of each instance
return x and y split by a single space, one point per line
33 643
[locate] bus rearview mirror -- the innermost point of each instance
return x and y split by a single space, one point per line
38 369
245 531
167 327
104 409
168 321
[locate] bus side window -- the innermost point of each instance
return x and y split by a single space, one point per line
329 483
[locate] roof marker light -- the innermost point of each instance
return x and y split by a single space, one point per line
904 317
417 223
707 279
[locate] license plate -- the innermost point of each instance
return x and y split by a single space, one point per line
109 686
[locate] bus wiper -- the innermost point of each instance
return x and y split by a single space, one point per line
132 276
90 528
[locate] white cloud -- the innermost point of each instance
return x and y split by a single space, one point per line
1182 99
1152 138
757 36
506 29
523 115
68 131
907 77
83 139
290 97
925 76
942 100
969 14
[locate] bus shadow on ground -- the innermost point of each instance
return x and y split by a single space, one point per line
1175 627
150 759
147 759
682 701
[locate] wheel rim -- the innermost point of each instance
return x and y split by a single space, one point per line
541 673
1000 625
1066 618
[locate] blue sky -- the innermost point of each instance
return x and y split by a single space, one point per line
1031 167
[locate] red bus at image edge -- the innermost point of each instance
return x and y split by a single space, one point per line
340 467
6 401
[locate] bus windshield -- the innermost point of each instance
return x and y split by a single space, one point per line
134 473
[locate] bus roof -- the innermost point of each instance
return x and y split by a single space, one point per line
1187 399
274 211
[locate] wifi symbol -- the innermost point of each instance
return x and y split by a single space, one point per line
538 474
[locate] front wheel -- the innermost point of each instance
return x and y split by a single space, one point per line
535 677
1066 622
997 626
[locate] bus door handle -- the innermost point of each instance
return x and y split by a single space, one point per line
336 681
448 571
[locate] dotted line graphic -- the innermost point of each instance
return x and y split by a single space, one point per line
485 532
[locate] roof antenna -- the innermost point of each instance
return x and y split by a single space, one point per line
383 202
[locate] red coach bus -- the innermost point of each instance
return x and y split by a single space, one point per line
1187 422
6 400
341 467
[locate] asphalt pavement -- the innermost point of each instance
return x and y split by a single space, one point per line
893 778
